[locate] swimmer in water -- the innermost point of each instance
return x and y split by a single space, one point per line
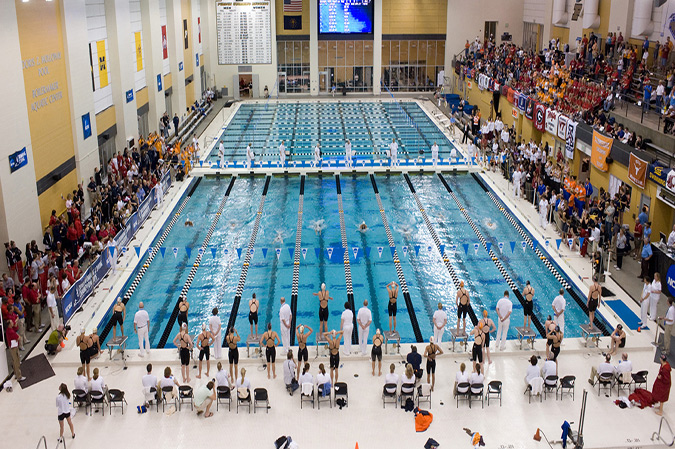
279 238
189 222
363 227
318 226
490 224
233 224
405 230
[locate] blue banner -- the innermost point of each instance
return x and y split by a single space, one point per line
18 160
130 96
159 82
75 296
86 126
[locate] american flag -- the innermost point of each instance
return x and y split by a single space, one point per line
292 5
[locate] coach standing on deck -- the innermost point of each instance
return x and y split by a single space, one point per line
364 318
141 327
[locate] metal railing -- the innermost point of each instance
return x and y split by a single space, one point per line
657 435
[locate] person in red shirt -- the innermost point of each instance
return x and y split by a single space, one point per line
13 345
75 272
34 299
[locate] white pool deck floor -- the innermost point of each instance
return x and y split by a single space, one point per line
31 413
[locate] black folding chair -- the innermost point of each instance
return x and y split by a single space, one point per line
567 383
389 396
224 395
494 391
116 399
260 397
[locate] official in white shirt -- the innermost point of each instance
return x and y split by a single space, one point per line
440 319
221 154
141 327
644 300
543 212
559 304
215 327
393 151
434 155
668 322
532 370
81 382
364 318
671 238
285 317
347 326
655 294
282 153
348 153
392 378
517 175
603 368
504 309
317 154
250 156
624 366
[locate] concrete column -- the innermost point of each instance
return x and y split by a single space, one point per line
196 73
450 13
314 48
174 34
152 51
120 42
377 48
19 208
210 43
78 68
621 17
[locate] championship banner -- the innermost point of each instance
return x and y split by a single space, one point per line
637 171
562 127
571 138
102 64
539 117
511 96
139 51
514 113
551 121
602 145
529 108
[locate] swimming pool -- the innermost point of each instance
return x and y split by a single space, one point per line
270 273
369 125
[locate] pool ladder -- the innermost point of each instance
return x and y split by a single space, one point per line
42 442
657 435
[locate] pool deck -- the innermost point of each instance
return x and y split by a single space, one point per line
607 426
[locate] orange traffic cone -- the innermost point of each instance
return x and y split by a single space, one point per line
639 329
357 445
537 437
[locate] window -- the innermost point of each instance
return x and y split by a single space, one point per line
412 65
293 61
349 64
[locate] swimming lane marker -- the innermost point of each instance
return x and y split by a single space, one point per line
379 251
330 253
501 247
278 252
304 253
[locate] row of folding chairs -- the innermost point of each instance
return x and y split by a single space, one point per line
554 385
96 400
476 392
390 394
607 381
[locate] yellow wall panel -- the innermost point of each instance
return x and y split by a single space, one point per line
44 72
105 119
562 34
414 16
167 81
141 97
304 30
51 198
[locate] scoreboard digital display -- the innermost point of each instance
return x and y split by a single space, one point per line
346 16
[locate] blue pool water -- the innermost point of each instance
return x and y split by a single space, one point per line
428 280
370 126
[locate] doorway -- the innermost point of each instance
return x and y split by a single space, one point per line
645 201
324 82
167 102
281 77
490 30
245 86
143 125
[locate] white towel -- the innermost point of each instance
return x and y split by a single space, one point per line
537 385
307 389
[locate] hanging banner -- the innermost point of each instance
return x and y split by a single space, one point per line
511 96
562 127
514 113
330 252
501 247
175 252
551 121
602 145
304 253
513 246
278 252
355 250
522 102
524 245
540 117
165 43
637 171
379 251
475 247
139 51
529 108
102 64
571 139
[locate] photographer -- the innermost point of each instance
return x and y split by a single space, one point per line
54 343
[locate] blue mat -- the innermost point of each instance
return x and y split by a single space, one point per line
625 314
